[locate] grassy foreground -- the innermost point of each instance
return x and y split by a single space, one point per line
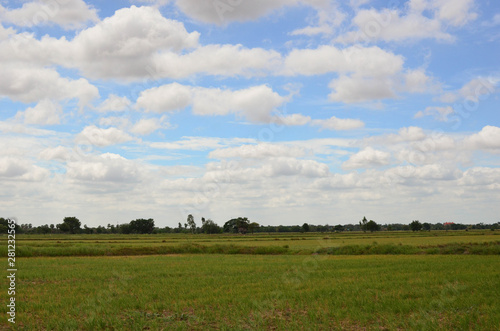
349 281
251 292
436 242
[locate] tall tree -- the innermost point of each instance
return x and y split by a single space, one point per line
70 224
416 226
372 226
191 223
363 224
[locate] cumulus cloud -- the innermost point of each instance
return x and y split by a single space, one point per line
217 60
367 158
254 103
476 89
114 103
291 120
70 14
370 61
397 25
335 123
147 126
201 143
439 113
27 84
15 168
102 137
104 168
365 73
487 139
222 12
260 151
46 112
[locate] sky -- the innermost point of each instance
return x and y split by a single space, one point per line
282 111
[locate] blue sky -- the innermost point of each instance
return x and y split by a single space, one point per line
282 111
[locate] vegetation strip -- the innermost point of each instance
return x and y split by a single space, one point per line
490 248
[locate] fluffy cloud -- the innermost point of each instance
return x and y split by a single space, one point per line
260 151
488 139
114 103
102 137
46 112
335 123
254 103
395 25
147 126
472 91
370 61
221 12
70 14
367 158
439 113
218 60
201 143
366 73
32 84
104 168
21 169
349 89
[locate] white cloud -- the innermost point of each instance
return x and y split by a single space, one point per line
353 89
395 25
254 103
102 137
488 139
70 14
123 45
217 60
201 143
439 113
291 120
367 158
46 112
59 153
222 12
370 61
455 12
474 90
335 123
260 151
147 126
27 84
114 103
21 169
104 168
165 98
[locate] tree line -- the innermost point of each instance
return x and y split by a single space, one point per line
240 225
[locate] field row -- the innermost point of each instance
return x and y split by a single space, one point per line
243 292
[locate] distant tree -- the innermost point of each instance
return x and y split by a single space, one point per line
364 224
426 226
372 226
252 226
415 226
70 224
339 228
191 223
210 227
305 227
237 225
142 225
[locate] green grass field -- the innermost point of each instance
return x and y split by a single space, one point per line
289 289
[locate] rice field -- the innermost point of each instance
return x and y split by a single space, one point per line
293 289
